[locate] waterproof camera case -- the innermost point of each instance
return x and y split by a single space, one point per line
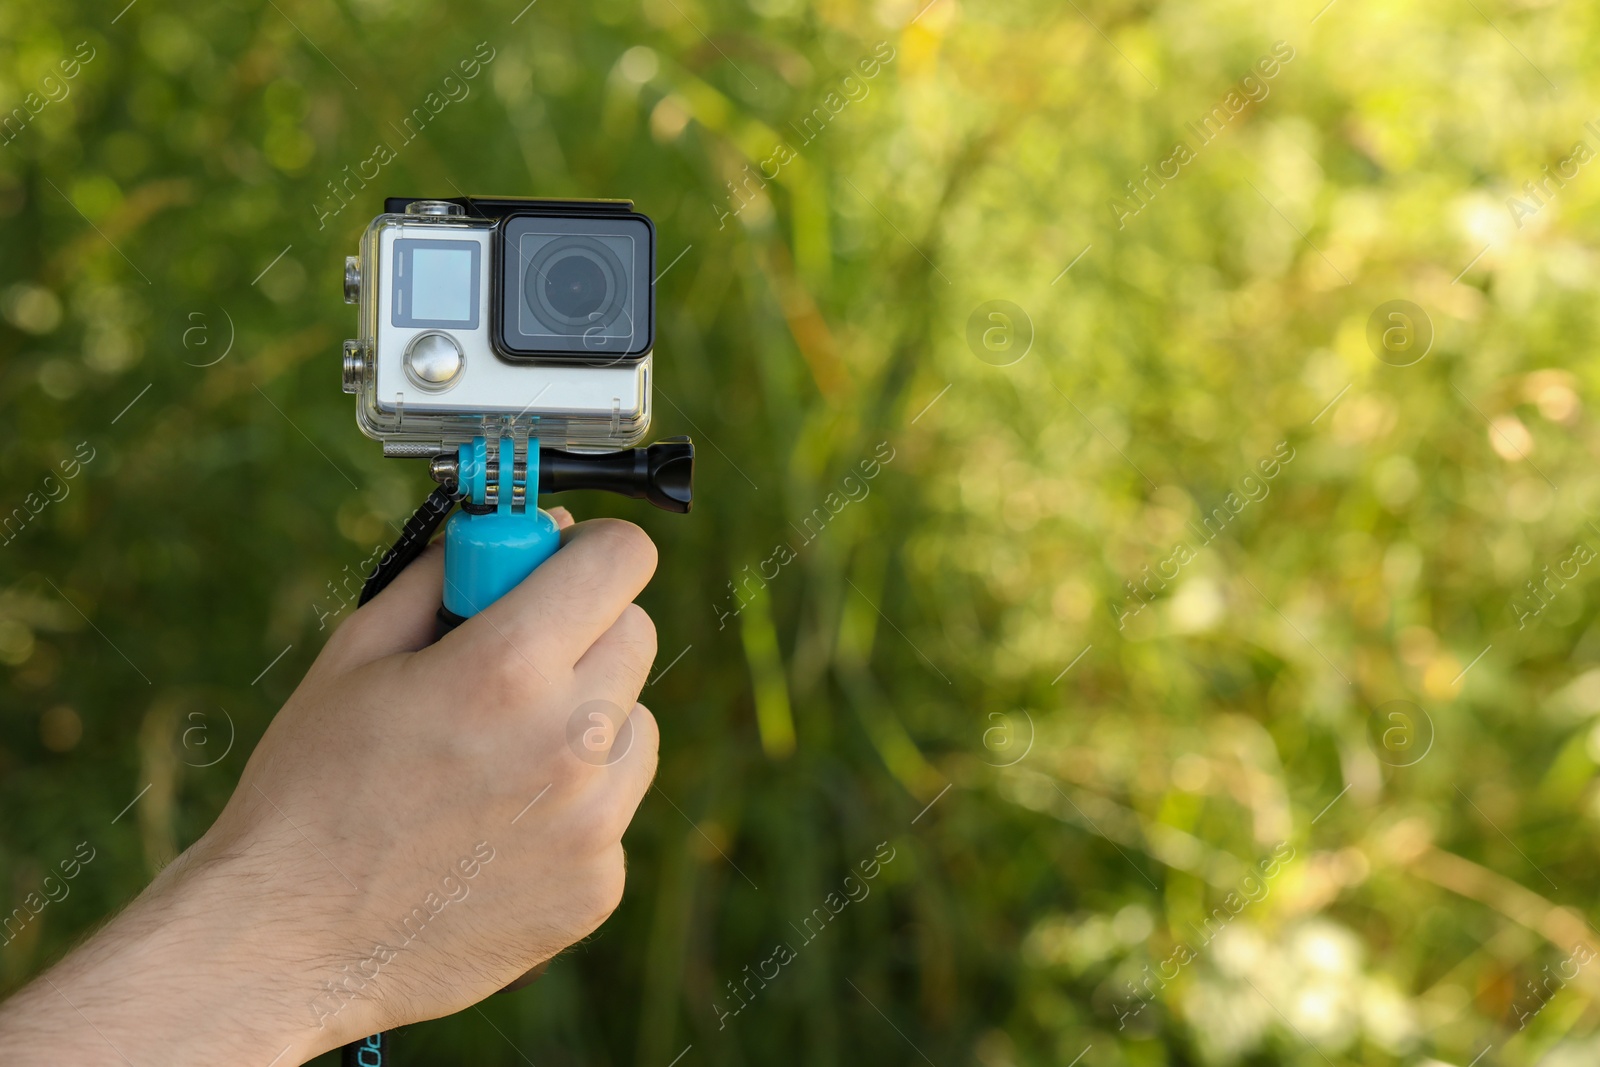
503 317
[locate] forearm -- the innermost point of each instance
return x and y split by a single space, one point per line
182 976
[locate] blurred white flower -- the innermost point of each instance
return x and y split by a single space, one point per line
1132 924
1240 950
1324 1012
1326 948
1387 1017
1197 606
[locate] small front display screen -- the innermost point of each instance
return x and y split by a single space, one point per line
436 283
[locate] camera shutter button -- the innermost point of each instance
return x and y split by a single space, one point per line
434 207
434 360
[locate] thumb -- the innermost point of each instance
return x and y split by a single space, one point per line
402 618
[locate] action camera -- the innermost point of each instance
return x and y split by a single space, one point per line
489 317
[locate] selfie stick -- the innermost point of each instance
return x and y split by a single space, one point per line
500 536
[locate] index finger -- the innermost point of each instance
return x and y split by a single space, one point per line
554 615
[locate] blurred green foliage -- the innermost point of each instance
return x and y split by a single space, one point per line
953 665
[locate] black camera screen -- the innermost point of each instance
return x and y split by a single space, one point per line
436 283
577 286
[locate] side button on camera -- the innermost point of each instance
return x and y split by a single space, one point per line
354 365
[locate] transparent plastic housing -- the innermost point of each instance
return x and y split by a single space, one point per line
566 404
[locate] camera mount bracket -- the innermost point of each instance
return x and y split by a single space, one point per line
495 541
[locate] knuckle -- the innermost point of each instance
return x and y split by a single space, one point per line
597 830
638 629
607 886
626 541
499 672
597 889
346 635
646 733
602 806
502 676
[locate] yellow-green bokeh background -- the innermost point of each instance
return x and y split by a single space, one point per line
920 640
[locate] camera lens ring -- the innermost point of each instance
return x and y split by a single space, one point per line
560 285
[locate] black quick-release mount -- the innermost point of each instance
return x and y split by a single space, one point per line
662 473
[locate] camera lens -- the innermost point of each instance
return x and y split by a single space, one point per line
575 284
576 287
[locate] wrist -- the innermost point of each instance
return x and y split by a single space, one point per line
183 975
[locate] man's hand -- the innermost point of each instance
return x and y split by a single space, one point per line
420 824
